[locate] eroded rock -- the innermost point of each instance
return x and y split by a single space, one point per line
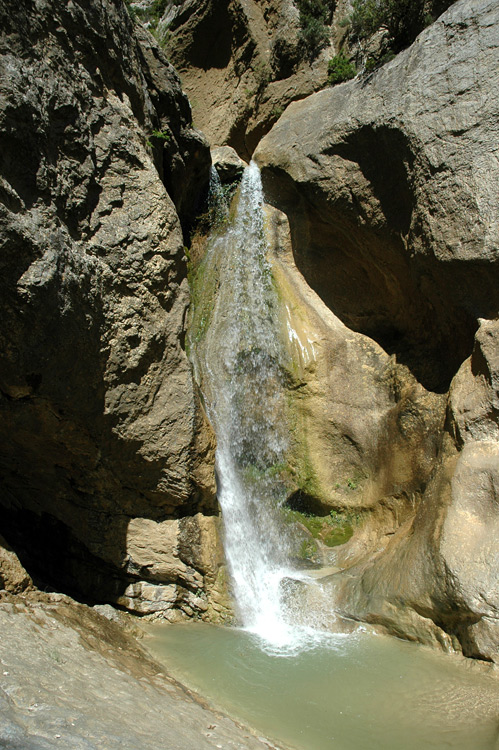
394 225
101 422
80 681
13 577
363 429
227 163
241 63
386 181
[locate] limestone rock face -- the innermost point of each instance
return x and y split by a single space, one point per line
435 579
474 396
227 163
95 685
241 64
387 184
100 420
13 577
364 430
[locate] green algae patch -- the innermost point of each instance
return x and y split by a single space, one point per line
203 284
331 530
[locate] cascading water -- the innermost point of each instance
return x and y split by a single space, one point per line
242 361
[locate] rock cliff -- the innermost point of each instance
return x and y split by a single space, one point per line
387 274
103 444
386 181
241 63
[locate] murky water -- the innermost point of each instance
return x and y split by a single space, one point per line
350 692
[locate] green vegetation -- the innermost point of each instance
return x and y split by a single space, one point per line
253 473
315 15
403 20
162 135
340 69
151 15
277 112
203 286
131 10
351 483
331 530
159 135
308 548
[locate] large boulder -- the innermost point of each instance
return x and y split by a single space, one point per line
386 181
364 433
386 184
100 420
435 579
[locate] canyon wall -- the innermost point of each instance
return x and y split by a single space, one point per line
106 457
385 245
386 181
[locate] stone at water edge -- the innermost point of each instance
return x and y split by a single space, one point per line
228 164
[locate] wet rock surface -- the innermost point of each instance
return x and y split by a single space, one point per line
70 678
393 225
365 434
100 420
228 164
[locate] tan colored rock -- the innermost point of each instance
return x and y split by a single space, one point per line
241 64
386 181
363 429
474 396
95 686
101 422
435 579
227 163
152 550
393 225
469 545
13 577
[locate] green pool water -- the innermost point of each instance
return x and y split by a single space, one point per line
344 692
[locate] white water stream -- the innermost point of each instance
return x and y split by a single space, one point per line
242 360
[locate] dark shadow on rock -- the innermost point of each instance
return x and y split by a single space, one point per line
355 252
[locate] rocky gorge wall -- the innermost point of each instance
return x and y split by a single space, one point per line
384 245
386 183
105 455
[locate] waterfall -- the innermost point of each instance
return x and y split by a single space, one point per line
242 360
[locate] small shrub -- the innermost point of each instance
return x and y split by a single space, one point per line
132 12
156 10
161 135
403 20
263 73
315 15
340 69
366 18
314 36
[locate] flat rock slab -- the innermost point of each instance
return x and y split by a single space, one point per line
71 679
